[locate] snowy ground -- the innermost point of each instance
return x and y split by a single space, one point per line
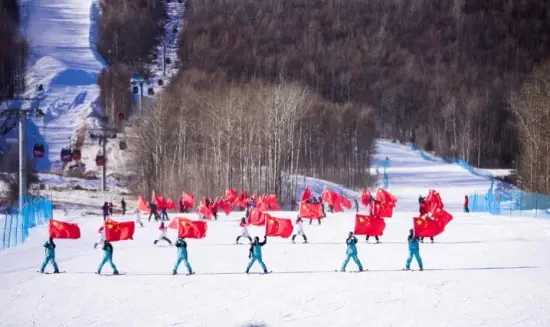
484 270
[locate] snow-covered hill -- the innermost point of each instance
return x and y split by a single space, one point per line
483 271
62 60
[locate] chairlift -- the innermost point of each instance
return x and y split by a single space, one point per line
100 160
122 145
180 1
120 116
168 61
77 155
175 30
135 90
150 91
38 150
66 155
160 82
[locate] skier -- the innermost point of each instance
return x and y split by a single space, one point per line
111 206
107 257
300 230
244 231
356 205
164 214
154 212
414 251
351 252
138 217
466 209
50 256
101 238
105 209
182 256
123 206
163 229
375 237
255 253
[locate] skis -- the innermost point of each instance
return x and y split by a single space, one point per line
352 271
51 273
405 269
259 273
119 274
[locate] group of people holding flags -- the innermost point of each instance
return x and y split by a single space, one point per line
432 221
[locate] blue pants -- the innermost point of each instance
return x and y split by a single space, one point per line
355 259
45 263
254 259
185 262
416 255
106 258
466 209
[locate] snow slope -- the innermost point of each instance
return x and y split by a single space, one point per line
484 270
60 33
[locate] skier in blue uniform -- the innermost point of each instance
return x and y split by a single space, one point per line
414 251
255 253
50 256
182 256
107 257
351 252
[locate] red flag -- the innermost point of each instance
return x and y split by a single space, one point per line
241 201
311 210
231 195
427 227
434 200
170 205
307 194
369 225
115 231
61 229
256 217
384 204
442 216
333 199
175 223
205 211
192 229
386 197
214 206
225 206
278 227
346 203
423 208
142 205
365 198
271 201
188 200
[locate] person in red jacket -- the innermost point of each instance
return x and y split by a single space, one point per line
466 209
422 206
244 231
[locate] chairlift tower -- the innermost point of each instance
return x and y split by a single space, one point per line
103 135
18 111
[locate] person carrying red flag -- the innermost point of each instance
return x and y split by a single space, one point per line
423 209
244 231
162 237
50 256
351 252
414 251
182 256
255 254
300 230
107 257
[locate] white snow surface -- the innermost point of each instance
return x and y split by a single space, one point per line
482 271
62 58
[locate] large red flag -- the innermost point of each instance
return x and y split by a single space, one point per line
231 195
365 198
170 205
427 227
61 229
442 216
346 203
205 211
384 204
333 199
311 210
188 200
115 231
434 200
143 206
369 225
278 227
175 223
256 217
192 229
225 206
271 201
242 200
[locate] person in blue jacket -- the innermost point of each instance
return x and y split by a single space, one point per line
255 253
182 256
414 251
50 256
107 257
351 252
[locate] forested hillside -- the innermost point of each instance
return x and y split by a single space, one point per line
13 51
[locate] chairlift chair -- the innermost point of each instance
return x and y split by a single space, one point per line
77 154
122 145
66 155
100 160
38 150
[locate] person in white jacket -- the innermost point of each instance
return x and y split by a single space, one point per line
244 231
138 217
101 238
299 228
162 237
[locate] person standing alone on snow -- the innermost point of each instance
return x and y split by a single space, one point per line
105 210
255 254
107 257
351 252
50 256
414 251
300 230
466 209
162 237
244 231
123 206
182 256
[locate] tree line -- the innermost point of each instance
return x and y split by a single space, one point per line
13 51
